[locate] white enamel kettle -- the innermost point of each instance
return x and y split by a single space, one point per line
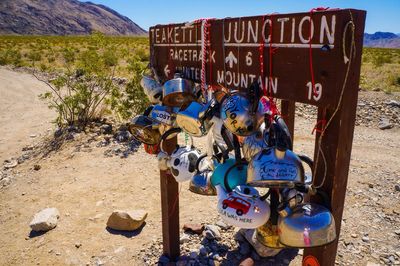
243 206
181 162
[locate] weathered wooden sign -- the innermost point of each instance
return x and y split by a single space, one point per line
291 45
302 57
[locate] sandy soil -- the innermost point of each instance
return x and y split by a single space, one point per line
23 116
87 186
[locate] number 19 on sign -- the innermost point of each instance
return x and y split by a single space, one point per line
318 91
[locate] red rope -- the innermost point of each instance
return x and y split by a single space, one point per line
319 130
205 43
261 52
274 109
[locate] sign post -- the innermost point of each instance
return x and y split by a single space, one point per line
170 207
312 58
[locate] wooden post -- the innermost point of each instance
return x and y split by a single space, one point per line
288 113
170 208
336 146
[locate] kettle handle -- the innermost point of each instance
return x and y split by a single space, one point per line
315 191
228 141
309 162
285 130
148 110
212 109
167 134
220 152
279 134
201 158
236 145
226 184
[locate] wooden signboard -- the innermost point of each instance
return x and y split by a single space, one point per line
311 58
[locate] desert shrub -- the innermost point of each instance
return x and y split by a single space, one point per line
142 54
132 99
84 67
381 59
80 92
394 80
51 59
10 57
34 56
43 67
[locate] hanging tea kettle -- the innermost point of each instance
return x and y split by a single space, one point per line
255 143
242 114
145 129
181 162
275 168
236 177
195 119
164 114
236 167
306 225
152 89
200 183
178 91
243 206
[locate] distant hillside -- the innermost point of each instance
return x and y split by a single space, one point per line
382 39
62 17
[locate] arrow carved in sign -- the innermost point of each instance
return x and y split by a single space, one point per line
166 71
231 59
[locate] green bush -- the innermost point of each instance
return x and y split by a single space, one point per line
10 57
132 100
80 92
381 59
394 80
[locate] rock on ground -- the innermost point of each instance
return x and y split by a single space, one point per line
211 232
45 220
10 164
127 220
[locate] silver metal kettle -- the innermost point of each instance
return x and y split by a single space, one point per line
152 89
275 168
145 129
200 183
243 114
306 225
177 92
195 119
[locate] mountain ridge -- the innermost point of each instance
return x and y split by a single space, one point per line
62 17
382 40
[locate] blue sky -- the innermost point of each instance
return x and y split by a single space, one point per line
382 15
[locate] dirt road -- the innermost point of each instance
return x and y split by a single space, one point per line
23 117
86 186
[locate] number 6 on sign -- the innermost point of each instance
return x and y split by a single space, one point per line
318 91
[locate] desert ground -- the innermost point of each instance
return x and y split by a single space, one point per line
86 185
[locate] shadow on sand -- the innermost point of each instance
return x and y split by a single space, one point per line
127 234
